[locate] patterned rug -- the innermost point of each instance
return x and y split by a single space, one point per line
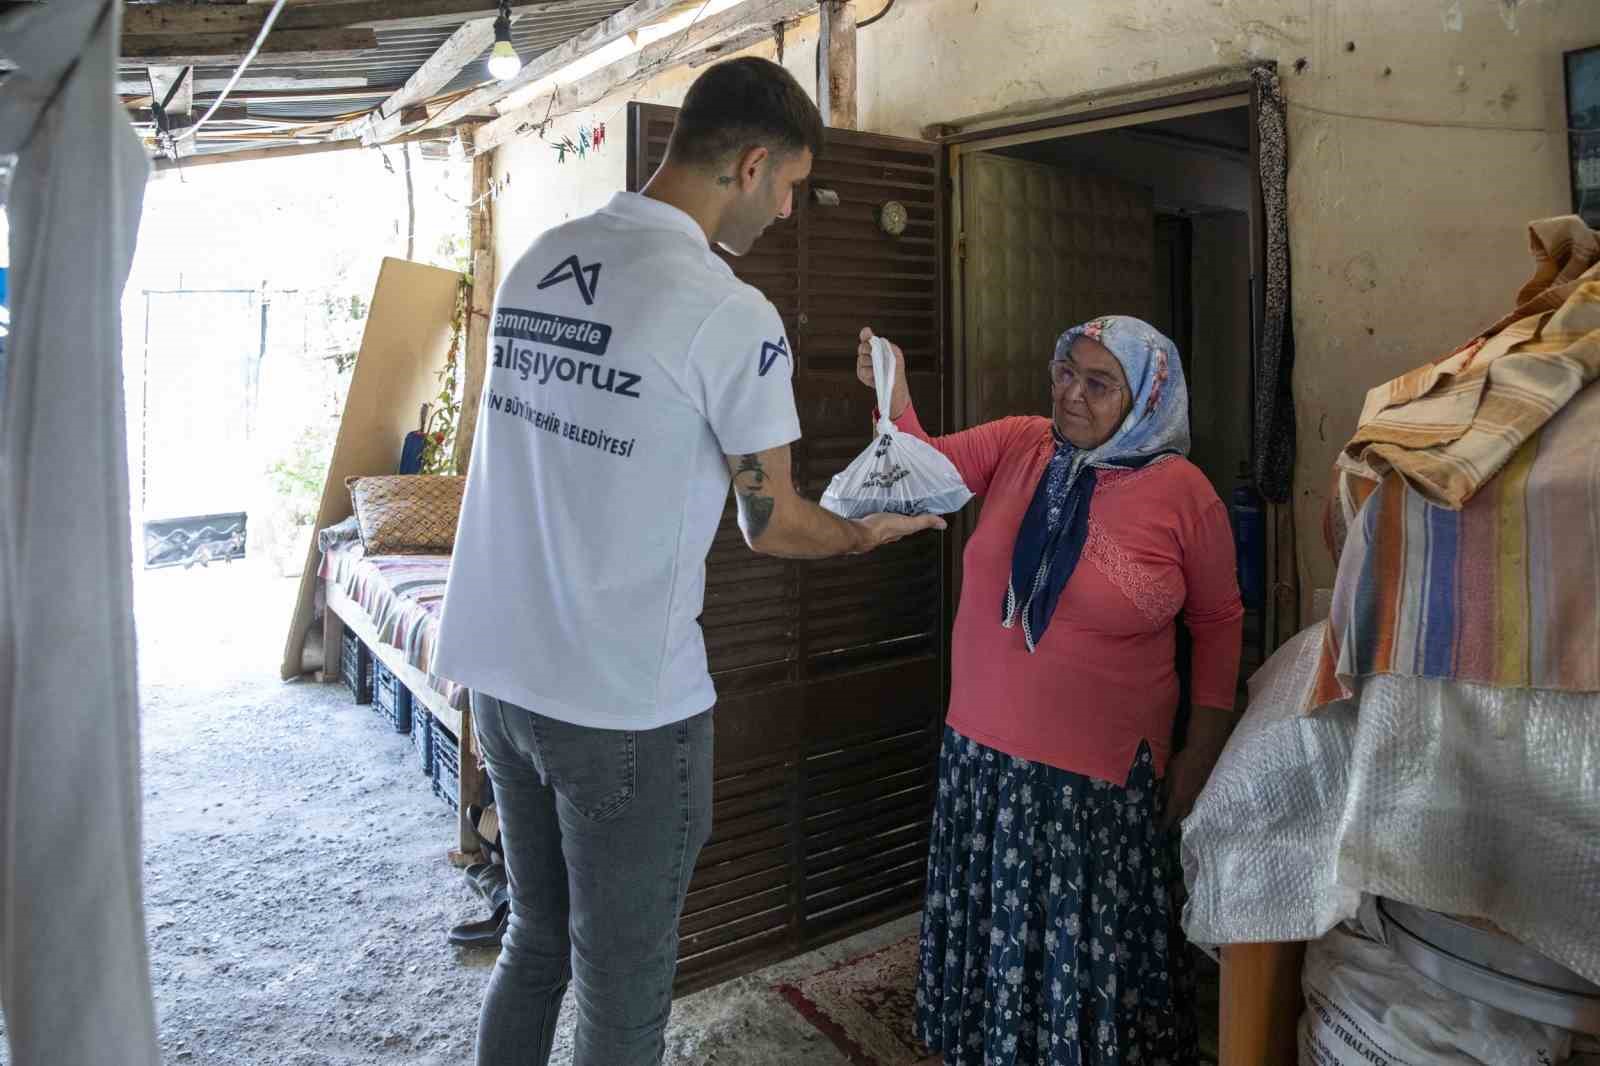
866 1006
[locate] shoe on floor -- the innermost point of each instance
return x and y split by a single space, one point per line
485 934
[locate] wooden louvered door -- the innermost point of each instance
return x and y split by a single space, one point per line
830 675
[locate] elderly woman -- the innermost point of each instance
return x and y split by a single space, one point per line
1050 934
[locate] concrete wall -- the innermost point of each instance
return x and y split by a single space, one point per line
541 192
1424 134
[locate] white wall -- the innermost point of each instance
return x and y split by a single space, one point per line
1416 158
542 192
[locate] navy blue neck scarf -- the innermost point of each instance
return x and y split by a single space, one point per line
1055 528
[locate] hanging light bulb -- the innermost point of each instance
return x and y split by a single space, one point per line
503 59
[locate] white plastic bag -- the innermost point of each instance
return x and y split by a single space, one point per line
1366 1006
898 474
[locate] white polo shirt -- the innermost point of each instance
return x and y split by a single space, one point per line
626 360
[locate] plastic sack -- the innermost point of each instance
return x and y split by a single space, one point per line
898 474
1454 797
1365 1006
1261 847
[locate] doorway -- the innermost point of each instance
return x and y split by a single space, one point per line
1151 214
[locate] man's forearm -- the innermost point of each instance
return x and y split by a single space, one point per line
790 527
802 530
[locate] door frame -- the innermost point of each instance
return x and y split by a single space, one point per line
1222 95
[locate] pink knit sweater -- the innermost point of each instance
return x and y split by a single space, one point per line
1104 677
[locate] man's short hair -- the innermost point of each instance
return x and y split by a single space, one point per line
742 104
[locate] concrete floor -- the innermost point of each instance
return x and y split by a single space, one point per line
297 890
299 896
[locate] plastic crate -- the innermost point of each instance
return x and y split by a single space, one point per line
446 764
355 667
422 738
390 697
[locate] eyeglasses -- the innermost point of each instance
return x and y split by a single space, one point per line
1066 375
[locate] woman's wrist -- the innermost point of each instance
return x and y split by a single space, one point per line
1210 728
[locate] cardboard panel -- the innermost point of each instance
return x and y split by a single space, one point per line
406 339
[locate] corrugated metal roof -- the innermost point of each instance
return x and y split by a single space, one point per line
399 54
318 109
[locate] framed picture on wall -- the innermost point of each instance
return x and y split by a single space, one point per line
1583 131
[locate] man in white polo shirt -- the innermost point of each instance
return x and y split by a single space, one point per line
633 375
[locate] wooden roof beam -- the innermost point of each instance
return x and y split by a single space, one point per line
205 159
384 122
229 112
266 86
630 19
729 31
162 82
175 18
229 49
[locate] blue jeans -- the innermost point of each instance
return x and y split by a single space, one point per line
601 831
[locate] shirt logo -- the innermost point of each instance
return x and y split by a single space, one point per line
770 350
587 278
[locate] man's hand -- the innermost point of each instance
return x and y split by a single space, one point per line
888 528
901 397
777 521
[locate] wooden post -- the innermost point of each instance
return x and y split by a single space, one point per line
332 639
1261 1004
836 47
476 356
470 791
480 218
1286 587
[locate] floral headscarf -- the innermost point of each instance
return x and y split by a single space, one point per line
1057 522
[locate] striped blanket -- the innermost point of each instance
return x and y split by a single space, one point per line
1504 591
402 595
1449 427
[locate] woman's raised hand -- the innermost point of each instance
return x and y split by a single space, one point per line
902 394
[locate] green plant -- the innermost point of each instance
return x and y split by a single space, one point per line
297 477
439 432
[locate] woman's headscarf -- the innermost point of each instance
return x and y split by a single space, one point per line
1057 523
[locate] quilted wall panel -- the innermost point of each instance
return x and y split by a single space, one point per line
1047 248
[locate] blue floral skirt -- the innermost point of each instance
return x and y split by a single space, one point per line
1051 932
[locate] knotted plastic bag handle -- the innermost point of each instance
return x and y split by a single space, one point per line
883 378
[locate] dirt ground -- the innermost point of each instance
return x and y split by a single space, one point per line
297 890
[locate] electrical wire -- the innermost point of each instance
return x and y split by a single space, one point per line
266 27
864 23
1444 123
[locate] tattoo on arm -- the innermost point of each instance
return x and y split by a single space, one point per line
750 489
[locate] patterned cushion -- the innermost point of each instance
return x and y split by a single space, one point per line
407 514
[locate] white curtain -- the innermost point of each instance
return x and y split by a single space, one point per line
74 971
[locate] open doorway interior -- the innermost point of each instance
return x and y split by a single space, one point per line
1151 219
